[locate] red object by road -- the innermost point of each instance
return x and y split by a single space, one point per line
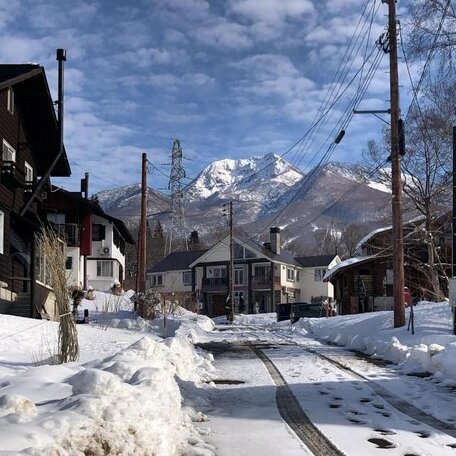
407 297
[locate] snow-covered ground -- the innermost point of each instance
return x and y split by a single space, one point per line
143 388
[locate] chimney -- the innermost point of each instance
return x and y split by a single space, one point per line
275 239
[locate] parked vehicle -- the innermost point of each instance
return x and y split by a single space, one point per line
299 310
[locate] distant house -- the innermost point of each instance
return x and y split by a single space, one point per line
364 283
314 270
264 275
30 144
95 241
174 275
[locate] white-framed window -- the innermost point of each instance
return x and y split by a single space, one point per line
297 275
28 172
105 268
239 276
69 263
10 100
8 152
319 274
2 231
219 272
157 280
187 278
290 275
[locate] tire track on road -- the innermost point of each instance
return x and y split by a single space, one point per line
293 414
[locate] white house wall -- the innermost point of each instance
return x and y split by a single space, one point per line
75 275
114 254
310 288
101 283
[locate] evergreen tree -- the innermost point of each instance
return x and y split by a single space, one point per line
193 241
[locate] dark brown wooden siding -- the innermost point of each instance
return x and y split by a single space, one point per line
12 198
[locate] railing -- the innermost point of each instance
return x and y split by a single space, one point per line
215 283
264 281
12 176
70 231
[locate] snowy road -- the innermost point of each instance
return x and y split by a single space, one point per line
378 411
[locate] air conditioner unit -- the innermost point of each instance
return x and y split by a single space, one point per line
104 250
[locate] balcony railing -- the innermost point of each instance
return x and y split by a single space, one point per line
70 232
264 281
11 175
215 283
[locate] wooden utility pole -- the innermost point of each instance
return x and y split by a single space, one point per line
231 263
398 240
142 245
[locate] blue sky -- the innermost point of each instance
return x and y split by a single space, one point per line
231 79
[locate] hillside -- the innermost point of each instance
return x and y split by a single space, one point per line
265 191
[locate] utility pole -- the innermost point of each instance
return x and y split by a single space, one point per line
398 240
231 263
231 266
142 245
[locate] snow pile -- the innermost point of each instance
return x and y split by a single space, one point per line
124 396
431 349
128 403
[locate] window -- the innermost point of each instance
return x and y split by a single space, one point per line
290 275
187 278
157 280
2 230
8 152
69 263
240 252
28 173
219 272
10 100
98 232
319 274
297 276
239 276
105 268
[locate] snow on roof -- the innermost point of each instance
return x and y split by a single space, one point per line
345 263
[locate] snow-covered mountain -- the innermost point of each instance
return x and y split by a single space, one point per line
266 191
258 179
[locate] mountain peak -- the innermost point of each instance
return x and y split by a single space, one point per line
237 175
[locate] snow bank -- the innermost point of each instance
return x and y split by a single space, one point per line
123 398
128 404
432 349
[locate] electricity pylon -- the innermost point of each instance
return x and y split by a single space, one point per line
177 238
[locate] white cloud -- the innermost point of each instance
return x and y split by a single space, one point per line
272 11
229 35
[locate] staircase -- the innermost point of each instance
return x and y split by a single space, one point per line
22 306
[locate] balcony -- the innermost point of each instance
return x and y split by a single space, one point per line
264 282
215 284
11 176
70 232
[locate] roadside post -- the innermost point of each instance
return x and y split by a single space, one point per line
452 297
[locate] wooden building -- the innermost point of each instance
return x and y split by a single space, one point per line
30 143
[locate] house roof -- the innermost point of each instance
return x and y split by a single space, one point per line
313 261
32 95
177 261
75 198
284 256
330 273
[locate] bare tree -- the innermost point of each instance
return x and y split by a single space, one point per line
432 28
350 237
